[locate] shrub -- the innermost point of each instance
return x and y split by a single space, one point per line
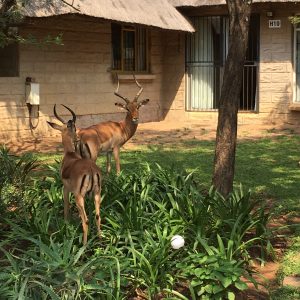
212 276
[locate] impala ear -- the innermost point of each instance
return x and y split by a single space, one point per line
143 102
121 105
55 126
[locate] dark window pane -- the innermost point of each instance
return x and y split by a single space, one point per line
116 46
129 53
141 50
9 61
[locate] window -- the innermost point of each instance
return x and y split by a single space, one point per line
9 61
205 58
129 48
206 53
297 64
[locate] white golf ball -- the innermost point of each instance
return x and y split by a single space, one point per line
177 241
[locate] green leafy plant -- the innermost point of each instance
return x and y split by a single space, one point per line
212 276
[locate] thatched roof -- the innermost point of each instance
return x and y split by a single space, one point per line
197 3
157 13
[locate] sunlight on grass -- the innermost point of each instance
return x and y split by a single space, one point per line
286 293
267 165
49 158
291 261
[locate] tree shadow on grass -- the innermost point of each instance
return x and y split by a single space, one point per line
268 166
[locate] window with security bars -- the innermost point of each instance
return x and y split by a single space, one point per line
129 48
206 53
9 60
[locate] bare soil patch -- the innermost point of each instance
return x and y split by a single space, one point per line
158 133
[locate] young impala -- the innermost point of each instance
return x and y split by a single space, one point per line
79 175
110 136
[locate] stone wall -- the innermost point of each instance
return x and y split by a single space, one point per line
76 74
275 80
276 70
173 85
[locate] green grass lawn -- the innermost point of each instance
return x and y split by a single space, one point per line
268 166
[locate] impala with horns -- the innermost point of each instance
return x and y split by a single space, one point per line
79 175
110 136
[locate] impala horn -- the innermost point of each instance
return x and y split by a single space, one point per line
138 94
71 111
57 116
117 92
60 118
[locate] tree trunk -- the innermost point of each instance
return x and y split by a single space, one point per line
224 161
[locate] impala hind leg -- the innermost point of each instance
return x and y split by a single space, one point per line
66 204
83 216
97 212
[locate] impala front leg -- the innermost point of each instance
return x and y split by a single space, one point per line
108 162
116 152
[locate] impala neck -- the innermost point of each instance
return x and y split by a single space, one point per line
129 127
68 144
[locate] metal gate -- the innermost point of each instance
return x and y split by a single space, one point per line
206 53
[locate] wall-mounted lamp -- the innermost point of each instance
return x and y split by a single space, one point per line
270 14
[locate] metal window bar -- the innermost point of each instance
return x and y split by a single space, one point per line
249 88
141 50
